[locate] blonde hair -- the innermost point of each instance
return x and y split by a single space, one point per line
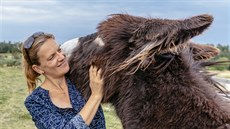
30 58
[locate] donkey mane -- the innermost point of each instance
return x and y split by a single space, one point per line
153 72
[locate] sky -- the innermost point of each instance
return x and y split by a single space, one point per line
68 19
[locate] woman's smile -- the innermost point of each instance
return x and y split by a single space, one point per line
63 63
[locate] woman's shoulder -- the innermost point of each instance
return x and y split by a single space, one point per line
39 95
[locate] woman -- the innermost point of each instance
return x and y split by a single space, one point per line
56 103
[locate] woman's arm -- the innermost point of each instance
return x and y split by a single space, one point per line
96 84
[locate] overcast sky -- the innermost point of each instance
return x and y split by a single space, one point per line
67 19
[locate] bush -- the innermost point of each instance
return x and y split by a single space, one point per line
221 67
9 60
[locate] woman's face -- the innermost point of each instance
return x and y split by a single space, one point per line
53 62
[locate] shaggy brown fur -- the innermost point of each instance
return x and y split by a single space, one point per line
152 72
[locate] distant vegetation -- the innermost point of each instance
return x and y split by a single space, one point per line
223 56
10 55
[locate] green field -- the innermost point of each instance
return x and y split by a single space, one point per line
13 91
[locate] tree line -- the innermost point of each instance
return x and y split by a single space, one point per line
10 47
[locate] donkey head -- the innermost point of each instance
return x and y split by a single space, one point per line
125 43
145 38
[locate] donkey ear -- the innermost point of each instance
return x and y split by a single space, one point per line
194 26
203 52
165 33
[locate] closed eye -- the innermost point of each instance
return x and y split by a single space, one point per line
51 57
59 50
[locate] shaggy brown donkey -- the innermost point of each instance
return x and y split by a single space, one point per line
152 72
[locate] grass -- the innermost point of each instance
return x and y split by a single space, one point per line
13 91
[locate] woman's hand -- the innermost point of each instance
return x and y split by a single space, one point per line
96 82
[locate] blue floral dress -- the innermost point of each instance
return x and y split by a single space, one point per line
48 116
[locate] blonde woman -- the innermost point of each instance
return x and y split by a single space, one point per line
56 103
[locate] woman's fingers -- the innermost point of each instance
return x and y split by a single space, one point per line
95 71
99 73
96 80
92 71
95 74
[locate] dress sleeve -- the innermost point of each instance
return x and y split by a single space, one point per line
44 118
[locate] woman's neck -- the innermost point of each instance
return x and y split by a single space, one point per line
58 84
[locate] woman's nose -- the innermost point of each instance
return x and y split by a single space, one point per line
61 56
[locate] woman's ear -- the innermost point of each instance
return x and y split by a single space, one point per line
37 69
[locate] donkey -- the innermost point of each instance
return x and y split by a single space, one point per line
152 72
